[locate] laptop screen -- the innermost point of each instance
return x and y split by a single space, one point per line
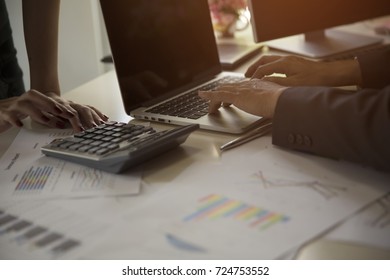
159 47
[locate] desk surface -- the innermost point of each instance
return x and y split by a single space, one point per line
104 90
103 93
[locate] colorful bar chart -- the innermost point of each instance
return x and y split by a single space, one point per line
213 207
34 179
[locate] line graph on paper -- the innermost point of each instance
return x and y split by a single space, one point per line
325 190
382 219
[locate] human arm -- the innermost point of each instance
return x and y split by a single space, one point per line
368 70
330 122
36 105
40 21
298 71
40 24
327 121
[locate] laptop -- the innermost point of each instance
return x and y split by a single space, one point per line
166 49
231 55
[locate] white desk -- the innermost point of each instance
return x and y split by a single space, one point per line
103 93
201 146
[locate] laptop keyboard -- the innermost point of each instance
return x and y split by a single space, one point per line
190 105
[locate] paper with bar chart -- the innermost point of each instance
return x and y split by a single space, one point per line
42 230
256 206
27 174
187 224
214 207
190 224
222 219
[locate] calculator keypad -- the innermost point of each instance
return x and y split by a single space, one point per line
105 138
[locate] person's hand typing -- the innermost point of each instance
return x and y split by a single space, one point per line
254 96
297 71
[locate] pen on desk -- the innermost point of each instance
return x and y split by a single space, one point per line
256 133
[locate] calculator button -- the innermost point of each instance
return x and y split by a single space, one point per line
104 145
84 148
87 141
102 151
117 134
113 146
93 129
107 138
108 133
80 134
93 150
96 143
116 140
65 145
74 147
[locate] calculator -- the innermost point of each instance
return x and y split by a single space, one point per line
116 146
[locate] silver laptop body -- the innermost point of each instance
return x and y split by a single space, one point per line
163 49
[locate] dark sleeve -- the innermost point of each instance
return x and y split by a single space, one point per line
353 126
375 68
